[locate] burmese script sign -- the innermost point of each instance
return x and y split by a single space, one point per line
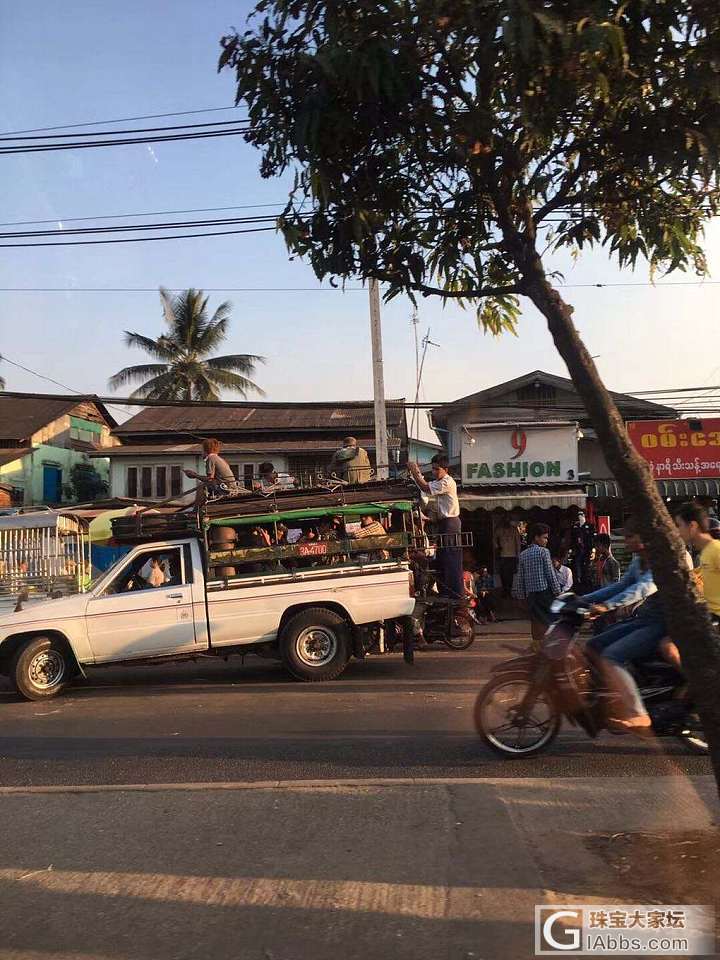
678 449
519 453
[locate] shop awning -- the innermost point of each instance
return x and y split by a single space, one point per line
689 488
603 488
675 489
522 497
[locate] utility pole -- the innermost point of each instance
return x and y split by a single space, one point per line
382 461
415 321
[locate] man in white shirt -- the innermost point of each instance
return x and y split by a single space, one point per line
449 556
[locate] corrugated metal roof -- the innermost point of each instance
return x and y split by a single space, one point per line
206 421
23 414
20 417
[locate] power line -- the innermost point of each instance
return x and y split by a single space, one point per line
96 123
176 236
147 213
179 289
280 204
132 228
249 404
338 289
647 393
130 401
14 363
52 147
115 133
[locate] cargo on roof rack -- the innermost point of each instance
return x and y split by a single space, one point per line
379 497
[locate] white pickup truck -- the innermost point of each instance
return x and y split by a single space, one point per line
314 620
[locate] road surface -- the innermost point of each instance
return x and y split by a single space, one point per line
217 721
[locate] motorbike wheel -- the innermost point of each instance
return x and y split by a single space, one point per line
504 729
461 640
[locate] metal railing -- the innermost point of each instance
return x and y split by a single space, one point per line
53 555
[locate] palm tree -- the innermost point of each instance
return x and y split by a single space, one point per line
184 369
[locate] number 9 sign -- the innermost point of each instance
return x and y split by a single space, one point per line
518 441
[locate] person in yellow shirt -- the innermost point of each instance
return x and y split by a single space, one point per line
693 526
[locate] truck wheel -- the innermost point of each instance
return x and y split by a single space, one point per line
315 645
42 668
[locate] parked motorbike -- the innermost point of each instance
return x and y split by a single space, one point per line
519 712
444 620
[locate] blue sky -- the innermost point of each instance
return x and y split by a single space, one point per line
100 60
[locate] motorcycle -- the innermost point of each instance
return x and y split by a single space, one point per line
520 710
448 621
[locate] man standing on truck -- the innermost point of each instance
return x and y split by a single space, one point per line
351 462
449 554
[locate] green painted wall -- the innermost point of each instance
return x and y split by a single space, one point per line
27 474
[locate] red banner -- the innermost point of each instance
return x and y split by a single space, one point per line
603 524
677 451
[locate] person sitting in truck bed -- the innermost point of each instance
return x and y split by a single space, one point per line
371 527
271 481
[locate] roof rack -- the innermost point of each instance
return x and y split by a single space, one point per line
352 500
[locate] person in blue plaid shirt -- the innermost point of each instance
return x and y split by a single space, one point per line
537 581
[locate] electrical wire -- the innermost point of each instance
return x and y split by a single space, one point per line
113 133
119 403
176 236
122 142
147 213
309 404
338 289
180 289
42 376
96 123
129 228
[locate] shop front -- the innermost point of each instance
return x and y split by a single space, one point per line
684 457
514 475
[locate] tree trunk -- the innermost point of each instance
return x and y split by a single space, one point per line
686 615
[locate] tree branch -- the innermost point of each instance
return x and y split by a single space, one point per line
480 292
561 197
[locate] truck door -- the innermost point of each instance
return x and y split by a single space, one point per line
146 609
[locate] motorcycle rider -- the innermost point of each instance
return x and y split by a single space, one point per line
633 639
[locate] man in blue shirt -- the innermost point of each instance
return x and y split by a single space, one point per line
537 581
636 638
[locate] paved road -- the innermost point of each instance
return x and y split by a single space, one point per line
213 721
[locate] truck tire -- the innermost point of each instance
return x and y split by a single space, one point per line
42 668
315 645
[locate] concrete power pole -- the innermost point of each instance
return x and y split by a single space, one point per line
382 460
